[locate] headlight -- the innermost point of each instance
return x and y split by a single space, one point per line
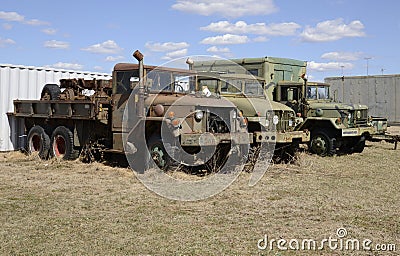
234 114
358 114
275 120
198 115
267 122
290 122
349 116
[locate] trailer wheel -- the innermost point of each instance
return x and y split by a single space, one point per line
38 142
62 144
322 145
50 92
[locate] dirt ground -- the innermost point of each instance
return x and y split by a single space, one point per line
59 207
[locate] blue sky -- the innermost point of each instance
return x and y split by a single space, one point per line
333 36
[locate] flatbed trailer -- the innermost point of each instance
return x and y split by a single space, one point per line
391 138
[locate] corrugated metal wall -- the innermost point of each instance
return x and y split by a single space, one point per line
23 82
380 93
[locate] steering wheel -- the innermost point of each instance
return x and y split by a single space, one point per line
179 88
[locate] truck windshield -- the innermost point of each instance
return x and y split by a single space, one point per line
317 92
209 84
253 88
156 81
164 81
232 86
323 92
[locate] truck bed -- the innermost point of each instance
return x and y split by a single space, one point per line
76 109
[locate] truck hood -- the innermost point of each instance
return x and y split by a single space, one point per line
257 106
336 105
186 100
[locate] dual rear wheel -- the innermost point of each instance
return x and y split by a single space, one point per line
61 144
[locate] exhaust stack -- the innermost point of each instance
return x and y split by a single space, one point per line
140 104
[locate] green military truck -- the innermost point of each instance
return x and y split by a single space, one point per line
268 121
332 125
145 112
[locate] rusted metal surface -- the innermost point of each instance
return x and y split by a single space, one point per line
56 109
26 82
130 66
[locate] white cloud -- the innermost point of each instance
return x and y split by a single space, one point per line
49 31
175 54
56 44
226 8
241 27
107 47
329 66
7 26
36 22
6 42
260 39
11 16
215 49
225 40
342 56
332 30
114 58
63 65
166 47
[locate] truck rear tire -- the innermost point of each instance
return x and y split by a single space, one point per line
50 92
360 145
38 142
322 145
62 144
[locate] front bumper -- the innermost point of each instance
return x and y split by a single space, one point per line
353 132
214 139
282 137
288 137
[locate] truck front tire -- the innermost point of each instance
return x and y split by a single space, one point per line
158 154
38 142
360 145
321 144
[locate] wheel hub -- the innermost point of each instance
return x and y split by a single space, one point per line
59 146
157 155
319 145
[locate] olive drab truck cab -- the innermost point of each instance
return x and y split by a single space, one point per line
268 121
146 111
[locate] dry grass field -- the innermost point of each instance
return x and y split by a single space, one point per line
59 207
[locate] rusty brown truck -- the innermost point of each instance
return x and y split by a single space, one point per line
149 107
